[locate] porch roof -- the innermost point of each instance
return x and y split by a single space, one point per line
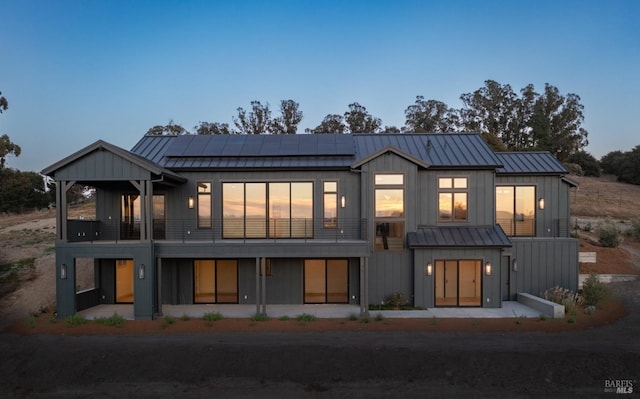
458 236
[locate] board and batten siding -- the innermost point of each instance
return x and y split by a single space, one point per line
480 196
553 220
102 165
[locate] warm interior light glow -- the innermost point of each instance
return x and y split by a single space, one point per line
429 269
541 203
343 201
487 269
191 202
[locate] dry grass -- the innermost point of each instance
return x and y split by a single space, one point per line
604 196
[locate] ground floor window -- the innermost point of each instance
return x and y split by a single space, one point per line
458 283
215 281
124 281
326 281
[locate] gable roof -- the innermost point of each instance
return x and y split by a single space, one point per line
539 162
434 150
145 164
458 236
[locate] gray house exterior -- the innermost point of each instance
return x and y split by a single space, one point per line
325 218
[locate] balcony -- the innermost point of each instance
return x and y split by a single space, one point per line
229 229
528 227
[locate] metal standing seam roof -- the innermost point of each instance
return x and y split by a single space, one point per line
438 150
458 236
539 162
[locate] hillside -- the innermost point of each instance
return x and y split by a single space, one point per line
598 197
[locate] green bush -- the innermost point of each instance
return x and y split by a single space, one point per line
306 317
608 234
260 317
75 320
595 293
114 321
565 297
396 300
212 316
634 231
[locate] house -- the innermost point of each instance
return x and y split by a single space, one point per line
313 219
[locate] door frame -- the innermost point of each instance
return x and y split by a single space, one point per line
479 263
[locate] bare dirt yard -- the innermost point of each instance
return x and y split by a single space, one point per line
41 357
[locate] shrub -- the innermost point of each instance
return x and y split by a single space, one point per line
260 317
634 231
167 321
114 321
608 234
305 317
283 318
75 320
212 316
353 317
379 317
563 296
595 293
396 300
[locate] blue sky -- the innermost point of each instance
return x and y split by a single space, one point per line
78 71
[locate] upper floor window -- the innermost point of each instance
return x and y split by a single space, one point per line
274 210
204 205
516 210
330 204
452 199
389 211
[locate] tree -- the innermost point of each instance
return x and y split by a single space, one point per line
430 116
588 164
556 123
391 129
7 147
212 128
21 190
331 123
256 122
360 121
491 109
170 129
612 163
290 117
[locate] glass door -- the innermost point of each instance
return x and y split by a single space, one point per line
458 283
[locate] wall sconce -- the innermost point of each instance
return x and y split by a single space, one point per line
514 266
343 201
429 269
63 271
541 203
191 202
141 271
487 269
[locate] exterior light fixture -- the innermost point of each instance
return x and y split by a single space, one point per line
514 266
487 269
343 201
141 271
63 271
429 269
541 203
191 202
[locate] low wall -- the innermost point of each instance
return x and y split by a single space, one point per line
545 307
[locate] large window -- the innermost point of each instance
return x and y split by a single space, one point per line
215 281
204 205
516 210
326 281
261 210
330 204
452 199
389 212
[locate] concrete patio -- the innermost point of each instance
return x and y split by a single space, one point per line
508 310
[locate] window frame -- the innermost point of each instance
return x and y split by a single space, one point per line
513 232
329 223
200 199
384 224
454 191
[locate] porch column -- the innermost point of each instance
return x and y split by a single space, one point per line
257 285
159 262
364 286
148 206
263 272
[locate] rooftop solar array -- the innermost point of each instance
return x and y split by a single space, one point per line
288 145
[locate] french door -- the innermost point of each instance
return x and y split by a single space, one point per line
215 281
458 283
326 281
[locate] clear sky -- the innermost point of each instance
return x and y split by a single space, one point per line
78 71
